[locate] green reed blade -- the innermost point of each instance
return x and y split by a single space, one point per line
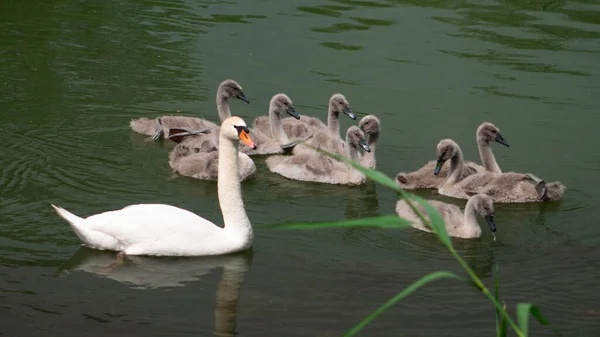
523 312
407 291
385 221
436 222
501 325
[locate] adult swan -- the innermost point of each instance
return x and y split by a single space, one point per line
158 229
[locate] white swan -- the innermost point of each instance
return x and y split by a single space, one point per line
158 229
159 127
458 224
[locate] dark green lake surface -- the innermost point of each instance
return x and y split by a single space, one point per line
74 73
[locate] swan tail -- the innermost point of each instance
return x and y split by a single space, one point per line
148 127
74 221
554 191
68 216
547 191
405 180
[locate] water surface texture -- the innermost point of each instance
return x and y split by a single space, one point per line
74 73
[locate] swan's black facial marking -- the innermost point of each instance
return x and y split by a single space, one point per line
241 128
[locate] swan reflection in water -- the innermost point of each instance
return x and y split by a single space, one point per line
142 272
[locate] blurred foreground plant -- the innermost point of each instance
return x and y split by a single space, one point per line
436 223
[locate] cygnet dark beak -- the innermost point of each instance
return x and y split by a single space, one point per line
243 97
292 112
364 146
348 112
438 166
501 140
490 221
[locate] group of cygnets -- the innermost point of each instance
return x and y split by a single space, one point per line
208 151
196 154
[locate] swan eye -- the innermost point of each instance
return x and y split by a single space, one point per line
241 128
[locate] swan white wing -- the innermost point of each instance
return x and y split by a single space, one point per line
145 223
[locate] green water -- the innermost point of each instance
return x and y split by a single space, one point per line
73 73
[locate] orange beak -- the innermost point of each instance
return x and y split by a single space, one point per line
245 137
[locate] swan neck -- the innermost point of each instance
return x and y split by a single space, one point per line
368 159
230 191
470 217
277 130
223 106
333 120
487 157
352 152
456 166
354 176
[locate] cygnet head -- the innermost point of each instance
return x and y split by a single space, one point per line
446 149
235 128
356 137
230 88
484 206
339 103
488 132
370 124
282 103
